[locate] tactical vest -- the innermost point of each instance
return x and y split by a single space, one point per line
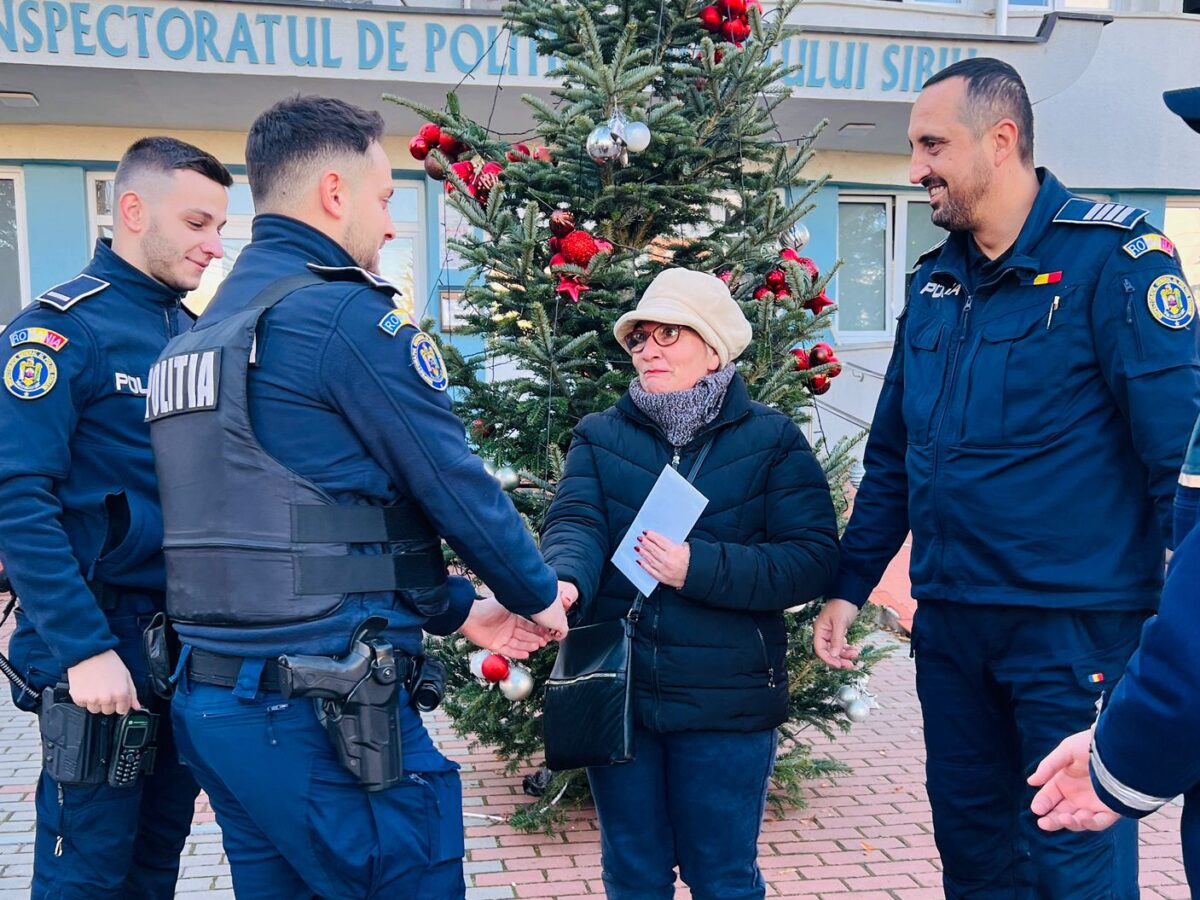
247 540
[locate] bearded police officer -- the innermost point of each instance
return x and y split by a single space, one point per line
82 535
310 465
1143 750
1029 432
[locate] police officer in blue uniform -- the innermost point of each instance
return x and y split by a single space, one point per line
309 466
1029 433
82 535
1142 751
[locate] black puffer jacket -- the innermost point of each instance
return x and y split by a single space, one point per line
711 655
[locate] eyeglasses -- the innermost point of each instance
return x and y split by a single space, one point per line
664 336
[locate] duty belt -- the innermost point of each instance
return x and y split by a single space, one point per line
206 667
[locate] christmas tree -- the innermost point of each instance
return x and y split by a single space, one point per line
659 148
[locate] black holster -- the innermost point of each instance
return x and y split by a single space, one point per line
162 649
75 743
357 697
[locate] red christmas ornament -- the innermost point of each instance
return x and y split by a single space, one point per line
726 276
486 179
802 362
762 292
782 292
554 246
822 354
418 147
710 18
517 153
430 134
562 223
579 247
819 384
732 8
808 266
789 253
735 31
776 279
495 668
558 259
571 286
603 246
542 154
818 304
464 170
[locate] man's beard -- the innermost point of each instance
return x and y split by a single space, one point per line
162 259
956 210
362 249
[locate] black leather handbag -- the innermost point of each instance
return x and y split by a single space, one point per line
587 716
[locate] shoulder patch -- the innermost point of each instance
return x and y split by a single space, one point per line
1171 302
1149 243
63 296
30 374
43 336
1078 211
354 274
427 361
394 321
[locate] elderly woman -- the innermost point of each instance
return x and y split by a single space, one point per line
709 668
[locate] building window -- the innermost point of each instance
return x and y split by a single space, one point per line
397 260
1182 226
14 263
880 237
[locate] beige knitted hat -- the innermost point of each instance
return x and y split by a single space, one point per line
698 300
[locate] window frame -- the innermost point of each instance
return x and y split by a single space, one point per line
17 176
1181 201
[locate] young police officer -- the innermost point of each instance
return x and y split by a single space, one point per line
309 465
1145 750
1029 432
82 536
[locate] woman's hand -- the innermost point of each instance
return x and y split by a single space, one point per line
666 561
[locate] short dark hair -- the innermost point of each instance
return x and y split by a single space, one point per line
299 130
994 91
165 155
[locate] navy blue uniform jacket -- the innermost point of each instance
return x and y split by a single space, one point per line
77 481
334 397
1030 433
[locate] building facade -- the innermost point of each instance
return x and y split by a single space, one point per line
80 81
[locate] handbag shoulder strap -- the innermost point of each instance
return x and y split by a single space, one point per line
635 611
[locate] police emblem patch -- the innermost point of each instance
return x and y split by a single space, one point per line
30 374
1140 246
427 360
1171 301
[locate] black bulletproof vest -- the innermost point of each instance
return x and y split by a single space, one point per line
247 540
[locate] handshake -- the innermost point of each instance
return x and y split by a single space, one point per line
493 627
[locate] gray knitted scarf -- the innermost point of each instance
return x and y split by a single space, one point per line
681 414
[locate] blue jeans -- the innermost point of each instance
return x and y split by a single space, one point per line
98 842
296 824
999 688
690 799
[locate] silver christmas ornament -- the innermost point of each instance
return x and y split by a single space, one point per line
857 711
847 694
601 145
800 236
475 661
637 136
616 124
518 685
508 477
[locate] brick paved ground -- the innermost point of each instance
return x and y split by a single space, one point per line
866 836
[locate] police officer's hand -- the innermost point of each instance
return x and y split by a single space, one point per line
102 684
491 626
829 634
554 619
1067 798
568 594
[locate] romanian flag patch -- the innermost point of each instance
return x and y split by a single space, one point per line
1096 677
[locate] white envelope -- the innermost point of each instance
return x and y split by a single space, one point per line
672 508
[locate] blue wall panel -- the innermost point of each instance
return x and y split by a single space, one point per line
56 216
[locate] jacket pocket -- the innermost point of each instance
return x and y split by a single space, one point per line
133 535
924 376
1020 378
